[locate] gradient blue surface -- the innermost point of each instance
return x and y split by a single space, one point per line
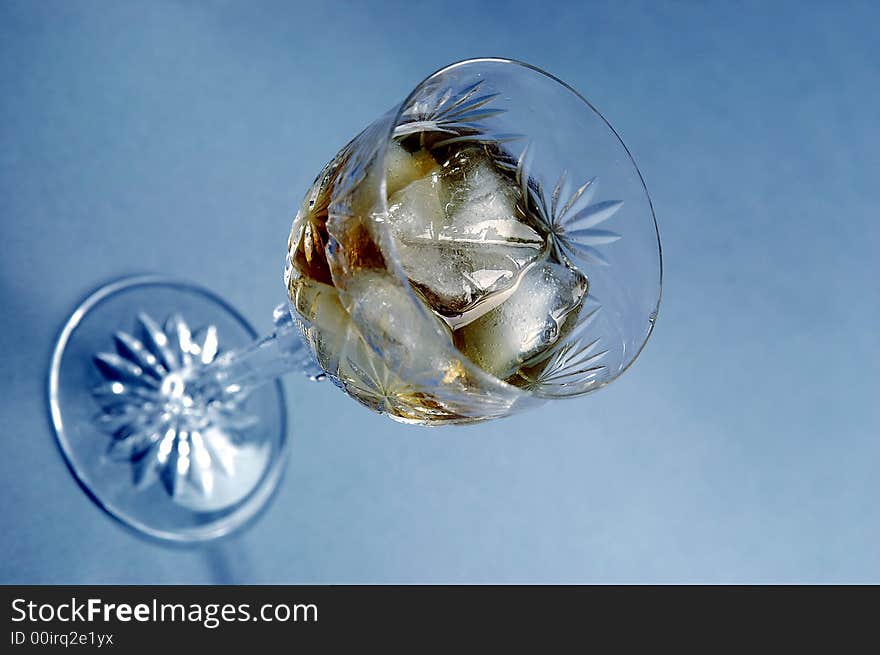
742 447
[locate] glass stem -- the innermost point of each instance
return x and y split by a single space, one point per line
264 360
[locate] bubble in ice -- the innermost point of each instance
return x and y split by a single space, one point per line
536 315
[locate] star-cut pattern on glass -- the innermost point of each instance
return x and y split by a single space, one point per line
461 114
411 392
572 223
168 430
571 367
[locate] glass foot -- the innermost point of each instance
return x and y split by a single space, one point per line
165 454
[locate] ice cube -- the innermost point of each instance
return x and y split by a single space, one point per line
403 167
402 355
387 350
459 238
477 191
393 322
417 212
529 321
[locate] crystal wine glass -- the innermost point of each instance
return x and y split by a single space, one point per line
485 246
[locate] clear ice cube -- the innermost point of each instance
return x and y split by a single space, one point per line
459 238
385 350
536 315
403 167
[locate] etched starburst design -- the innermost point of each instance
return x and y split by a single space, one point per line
571 367
415 392
572 224
461 114
388 393
169 427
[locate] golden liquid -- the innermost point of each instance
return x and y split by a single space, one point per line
483 328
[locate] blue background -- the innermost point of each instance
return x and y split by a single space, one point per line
742 447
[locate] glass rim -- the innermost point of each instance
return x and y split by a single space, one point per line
381 154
